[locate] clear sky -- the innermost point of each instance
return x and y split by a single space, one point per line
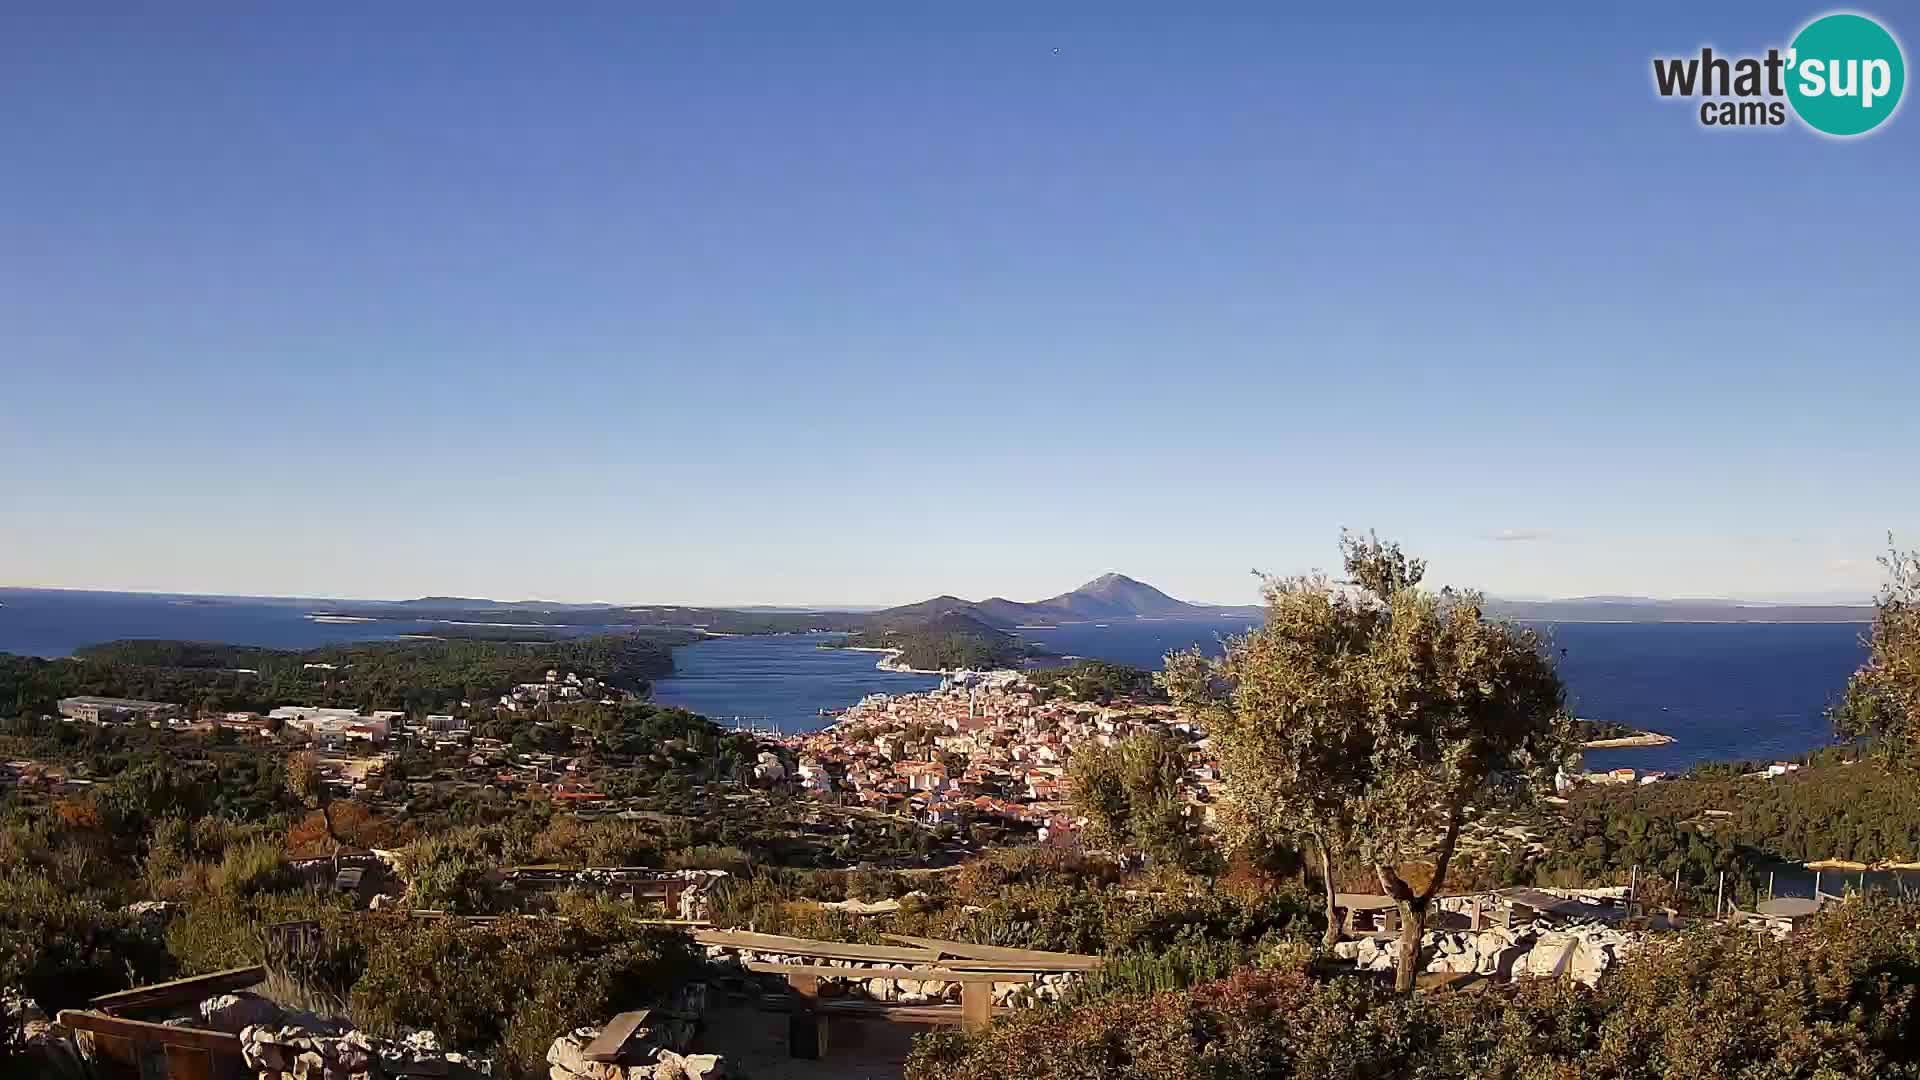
854 305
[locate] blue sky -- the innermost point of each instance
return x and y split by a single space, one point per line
856 305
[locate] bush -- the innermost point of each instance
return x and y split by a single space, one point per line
226 931
711 857
507 988
62 949
569 841
1837 1001
453 871
253 867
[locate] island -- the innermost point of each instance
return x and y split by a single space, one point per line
1607 735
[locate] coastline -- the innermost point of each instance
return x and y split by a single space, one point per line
891 662
1625 742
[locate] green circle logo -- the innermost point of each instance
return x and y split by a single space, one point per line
1845 74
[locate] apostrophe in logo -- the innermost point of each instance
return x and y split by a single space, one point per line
1845 74
1842 76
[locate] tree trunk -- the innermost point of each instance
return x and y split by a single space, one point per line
326 815
1413 924
1326 881
1414 905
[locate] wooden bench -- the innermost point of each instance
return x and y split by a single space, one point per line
975 967
137 1047
963 955
607 1046
809 1030
180 991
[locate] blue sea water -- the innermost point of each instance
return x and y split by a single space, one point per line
1723 690
50 622
783 681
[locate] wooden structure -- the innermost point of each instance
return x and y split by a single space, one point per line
607 1046
1366 913
125 1044
976 968
1523 905
638 884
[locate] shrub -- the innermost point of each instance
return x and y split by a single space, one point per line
453 871
216 932
508 987
1837 1001
62 949
711 857
252 867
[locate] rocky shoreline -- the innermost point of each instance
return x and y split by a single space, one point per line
1644 738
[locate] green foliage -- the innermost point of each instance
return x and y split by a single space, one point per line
1882 701
418 676
1034 898
62 949
253 867
1837 1002
1150 970
453 871
1097 681
1130 794
947 641
1369 718
228 930
508 987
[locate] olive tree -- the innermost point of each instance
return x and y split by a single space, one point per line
1882 701
1130 795
1368 715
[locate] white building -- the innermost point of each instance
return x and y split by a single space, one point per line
333 727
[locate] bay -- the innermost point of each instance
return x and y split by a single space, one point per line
1723 690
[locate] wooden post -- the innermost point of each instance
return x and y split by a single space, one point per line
1769 884
1816 884
1720 896
1633 888
976 1005
1479 920
806 1028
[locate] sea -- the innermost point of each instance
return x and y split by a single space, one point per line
1724 691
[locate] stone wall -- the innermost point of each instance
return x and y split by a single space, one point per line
657 1050
1582 952
338 1052
1050 986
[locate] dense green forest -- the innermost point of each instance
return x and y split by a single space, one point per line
1097 681
944 642
520 615
416 675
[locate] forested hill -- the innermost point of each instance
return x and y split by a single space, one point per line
419 676
1109 596
945 641
530 613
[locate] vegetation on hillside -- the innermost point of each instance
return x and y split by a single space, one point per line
1097 681
946 642
416 675
1369 719
1837 1002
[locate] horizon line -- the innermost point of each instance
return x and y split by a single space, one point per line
856 608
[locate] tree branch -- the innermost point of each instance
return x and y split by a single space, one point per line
1447 845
